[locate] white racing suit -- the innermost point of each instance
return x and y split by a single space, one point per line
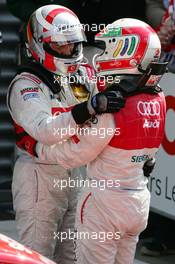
42 209
113 208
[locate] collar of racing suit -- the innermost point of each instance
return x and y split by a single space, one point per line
147 82
44 75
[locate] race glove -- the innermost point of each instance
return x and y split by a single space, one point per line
109 101
148 167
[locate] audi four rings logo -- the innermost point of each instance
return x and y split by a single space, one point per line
149 108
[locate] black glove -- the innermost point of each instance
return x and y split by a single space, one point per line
148 167
109 101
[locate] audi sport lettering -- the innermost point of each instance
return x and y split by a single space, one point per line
151 124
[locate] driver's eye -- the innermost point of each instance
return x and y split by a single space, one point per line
64 49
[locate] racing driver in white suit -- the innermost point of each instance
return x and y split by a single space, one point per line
37 96
110 219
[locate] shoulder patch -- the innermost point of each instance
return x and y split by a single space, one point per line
30 96
30 90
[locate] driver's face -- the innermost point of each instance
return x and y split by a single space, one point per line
63 50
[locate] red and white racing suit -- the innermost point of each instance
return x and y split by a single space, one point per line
113 208
43 209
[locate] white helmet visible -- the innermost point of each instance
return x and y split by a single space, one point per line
55 25
128 45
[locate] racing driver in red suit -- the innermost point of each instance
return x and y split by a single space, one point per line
110 219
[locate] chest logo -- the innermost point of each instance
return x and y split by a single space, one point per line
149 108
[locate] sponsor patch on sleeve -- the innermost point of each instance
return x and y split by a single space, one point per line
30 96
30 90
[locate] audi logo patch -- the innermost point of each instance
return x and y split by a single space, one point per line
149 108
